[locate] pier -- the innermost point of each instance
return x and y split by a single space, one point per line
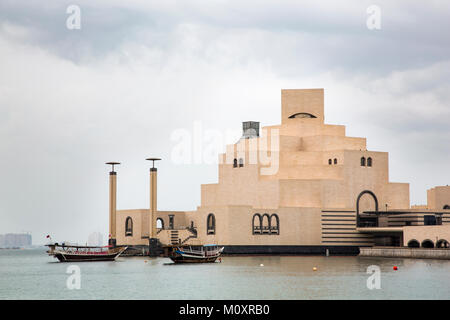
405 252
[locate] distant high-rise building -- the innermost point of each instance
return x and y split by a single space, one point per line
14 240
95 239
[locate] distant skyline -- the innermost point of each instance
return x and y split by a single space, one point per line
95 239
15 240
137 71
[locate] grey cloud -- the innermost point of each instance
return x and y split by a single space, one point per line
294 36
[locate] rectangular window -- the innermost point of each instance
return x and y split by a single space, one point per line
429 220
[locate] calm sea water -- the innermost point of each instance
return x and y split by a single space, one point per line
31 274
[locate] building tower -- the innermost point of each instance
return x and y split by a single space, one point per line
112 203
153 207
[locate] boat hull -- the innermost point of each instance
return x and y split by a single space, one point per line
84 258
195 256
181 259
84 253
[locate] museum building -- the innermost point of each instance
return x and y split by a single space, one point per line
301 187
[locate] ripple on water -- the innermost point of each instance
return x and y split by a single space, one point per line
31 274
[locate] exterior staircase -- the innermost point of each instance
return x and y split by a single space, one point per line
174 239
192 235
177 237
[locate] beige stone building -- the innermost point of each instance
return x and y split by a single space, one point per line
301 187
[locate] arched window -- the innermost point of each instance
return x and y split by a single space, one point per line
369 161
427 243
265 223
235 163
363 162
128 227
329 161
302 115
413 243
442 243
256 223
366 201
241 162
211 224
274 224
446 207
159 223
335 161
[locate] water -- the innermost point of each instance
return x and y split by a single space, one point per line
31 274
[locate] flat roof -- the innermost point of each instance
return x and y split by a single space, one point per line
380 229
400 212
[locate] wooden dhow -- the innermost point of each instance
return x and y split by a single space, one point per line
76 253
200 254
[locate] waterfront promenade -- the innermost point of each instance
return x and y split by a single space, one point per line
404 252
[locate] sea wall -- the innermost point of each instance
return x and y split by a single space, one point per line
403 252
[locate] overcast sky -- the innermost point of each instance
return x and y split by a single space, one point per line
136 71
